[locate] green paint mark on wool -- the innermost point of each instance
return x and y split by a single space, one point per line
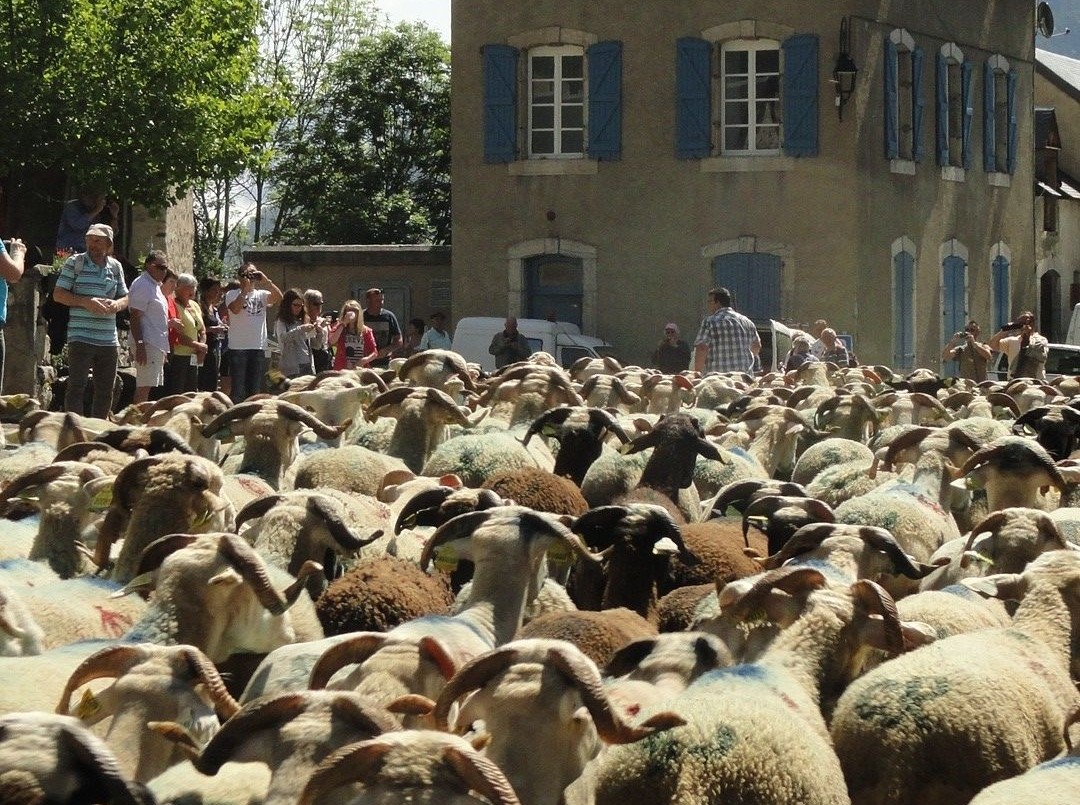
665 751
889 703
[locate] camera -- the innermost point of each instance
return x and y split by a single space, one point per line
1012 325
333 315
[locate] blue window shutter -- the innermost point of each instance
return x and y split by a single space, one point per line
892 138
693 93
605 100
1011 100
801 95
989 134
500 103
967 103
918 104
903 311
942 110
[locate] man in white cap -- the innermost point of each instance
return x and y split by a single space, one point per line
672 354
92 284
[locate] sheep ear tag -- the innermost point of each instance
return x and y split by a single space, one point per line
88 706
446 558
102 499
560 554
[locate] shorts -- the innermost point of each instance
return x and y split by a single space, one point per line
151 374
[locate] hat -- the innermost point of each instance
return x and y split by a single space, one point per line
100 230
671 326
372 291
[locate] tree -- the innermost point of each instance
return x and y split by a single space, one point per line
375 165
299 41
144 97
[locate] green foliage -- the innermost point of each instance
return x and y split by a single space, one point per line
374 165
144 97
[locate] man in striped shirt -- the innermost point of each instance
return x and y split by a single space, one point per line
92 285
727 341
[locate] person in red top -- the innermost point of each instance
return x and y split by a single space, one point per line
354 342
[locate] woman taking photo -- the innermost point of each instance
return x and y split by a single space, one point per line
354 342
294 333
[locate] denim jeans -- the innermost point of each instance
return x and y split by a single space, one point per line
246 368
3 352
82 358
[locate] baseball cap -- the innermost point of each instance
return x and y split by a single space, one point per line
100 230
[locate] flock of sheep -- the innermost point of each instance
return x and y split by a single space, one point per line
601 586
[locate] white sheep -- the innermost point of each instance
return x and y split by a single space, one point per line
991 703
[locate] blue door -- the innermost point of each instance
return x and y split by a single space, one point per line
904 311
553 288
953 302
1001 292
754 281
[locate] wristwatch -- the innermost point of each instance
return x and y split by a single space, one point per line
140 342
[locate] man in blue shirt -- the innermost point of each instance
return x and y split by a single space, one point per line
92 285
11 271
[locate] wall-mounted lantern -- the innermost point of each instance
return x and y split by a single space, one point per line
845 71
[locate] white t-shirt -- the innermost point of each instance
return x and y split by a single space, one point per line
146 297
247 329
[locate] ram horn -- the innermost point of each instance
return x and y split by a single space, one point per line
157 551
362 713
533 522
257 508
29 422
878 602
169 403
130 478
601 419
453 529
1036 460
880 539
35 477
109 663
242 410
597 526
473 675
738 494
395 396
630 656
991 523
905 441
77 452
791 580
251 567
265 713
481 774
444 403
423 503
305 417
826 407
610 725
1032 417
1001 399
351 651
802 541
203 670
348 540
556 416
356 763
92 755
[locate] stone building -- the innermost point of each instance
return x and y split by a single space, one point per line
865 163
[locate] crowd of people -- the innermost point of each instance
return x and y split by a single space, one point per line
187 334
728 341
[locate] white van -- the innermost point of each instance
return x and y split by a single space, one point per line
564 340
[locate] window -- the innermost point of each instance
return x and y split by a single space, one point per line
903 303
747 97
572 104
999 116
955 109
904 101
557 102
750 97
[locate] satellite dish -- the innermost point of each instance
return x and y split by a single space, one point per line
1044 19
